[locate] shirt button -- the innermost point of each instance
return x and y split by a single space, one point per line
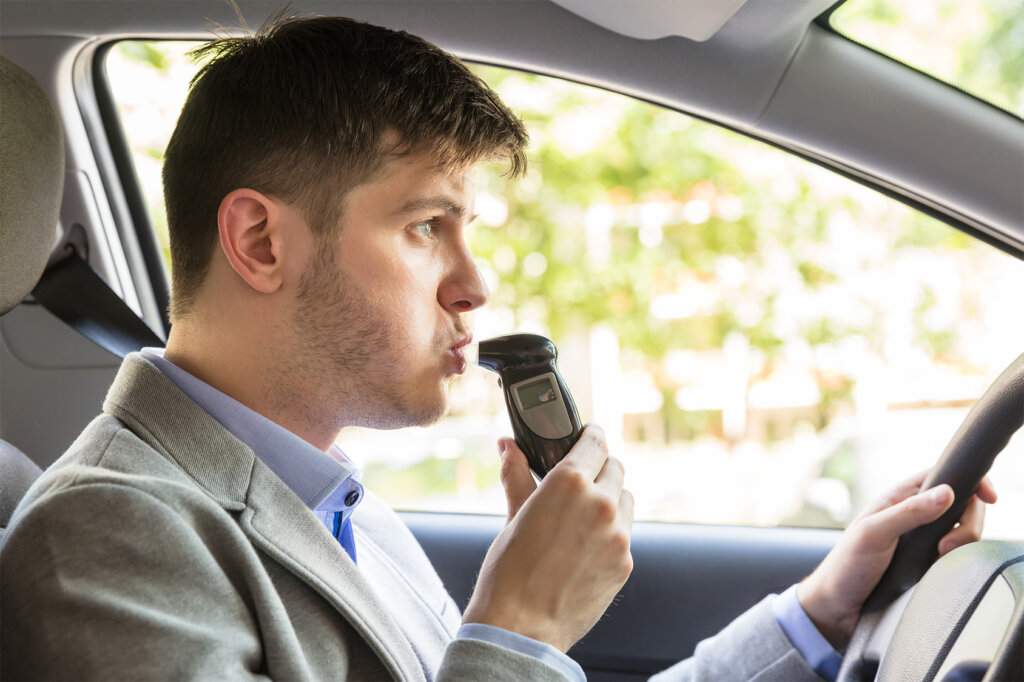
352 498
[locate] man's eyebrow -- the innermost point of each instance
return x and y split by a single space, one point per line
440 202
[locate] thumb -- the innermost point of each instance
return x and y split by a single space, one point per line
515 475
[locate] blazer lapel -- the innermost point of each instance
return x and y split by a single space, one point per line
279 524
273 517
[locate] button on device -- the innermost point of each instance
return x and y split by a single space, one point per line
352 498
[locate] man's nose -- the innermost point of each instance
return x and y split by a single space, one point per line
464 289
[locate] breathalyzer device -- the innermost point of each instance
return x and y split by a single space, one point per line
543 414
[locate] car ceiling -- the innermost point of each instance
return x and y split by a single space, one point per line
769 71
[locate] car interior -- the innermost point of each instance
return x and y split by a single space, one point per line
84 280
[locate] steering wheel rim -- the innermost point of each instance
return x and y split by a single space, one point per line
986 430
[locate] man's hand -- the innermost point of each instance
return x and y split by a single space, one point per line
834 593
564 553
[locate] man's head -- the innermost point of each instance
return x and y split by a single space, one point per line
307 109
318 187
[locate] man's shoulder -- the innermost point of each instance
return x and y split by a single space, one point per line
108 447
108 455
153 438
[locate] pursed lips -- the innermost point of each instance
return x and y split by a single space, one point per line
457 353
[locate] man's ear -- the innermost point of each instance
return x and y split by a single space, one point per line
251 236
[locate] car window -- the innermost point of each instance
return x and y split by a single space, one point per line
976 45
764 341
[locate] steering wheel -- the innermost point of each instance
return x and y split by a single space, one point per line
968 457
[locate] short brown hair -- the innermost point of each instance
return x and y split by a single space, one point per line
300 111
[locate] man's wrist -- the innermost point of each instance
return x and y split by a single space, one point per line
512 621
817 652
816 603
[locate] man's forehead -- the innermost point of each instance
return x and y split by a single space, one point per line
416 182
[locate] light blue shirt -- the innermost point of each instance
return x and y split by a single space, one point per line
327 484
819 654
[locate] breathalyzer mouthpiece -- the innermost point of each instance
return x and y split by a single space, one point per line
515 350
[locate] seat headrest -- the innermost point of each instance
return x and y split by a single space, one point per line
31 182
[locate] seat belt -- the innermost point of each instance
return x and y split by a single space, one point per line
79 297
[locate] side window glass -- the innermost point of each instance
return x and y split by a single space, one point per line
764 341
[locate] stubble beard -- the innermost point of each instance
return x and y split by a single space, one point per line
347 365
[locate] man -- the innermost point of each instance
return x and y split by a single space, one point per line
318 185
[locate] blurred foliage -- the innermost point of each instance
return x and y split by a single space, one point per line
992 62
640 156
145 53
633 158
432 476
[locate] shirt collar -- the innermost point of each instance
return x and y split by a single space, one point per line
324 482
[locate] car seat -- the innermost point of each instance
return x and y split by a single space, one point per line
31 186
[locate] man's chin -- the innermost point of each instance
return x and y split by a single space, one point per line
434 413
423 413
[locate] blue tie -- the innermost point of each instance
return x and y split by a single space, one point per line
343 532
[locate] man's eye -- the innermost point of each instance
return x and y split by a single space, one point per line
424 228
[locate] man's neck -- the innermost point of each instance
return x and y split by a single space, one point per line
240 370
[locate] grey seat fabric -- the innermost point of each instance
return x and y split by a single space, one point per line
31 182
31 186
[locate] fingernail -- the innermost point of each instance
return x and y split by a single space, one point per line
937 495
502 447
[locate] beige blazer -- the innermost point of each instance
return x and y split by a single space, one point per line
160 547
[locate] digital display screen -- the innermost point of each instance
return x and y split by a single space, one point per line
536 394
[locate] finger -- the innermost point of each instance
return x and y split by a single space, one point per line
986 491
515 475
883 528
612 478
969 530
590 452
